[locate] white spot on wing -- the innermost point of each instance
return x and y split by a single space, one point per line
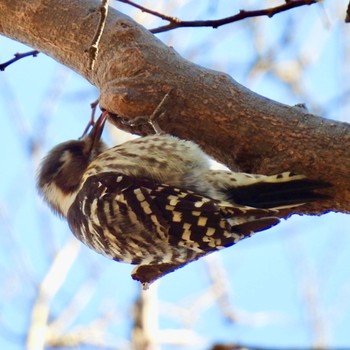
177 216
202 221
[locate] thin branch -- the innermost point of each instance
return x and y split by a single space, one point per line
73 310
17 57
175 22
93 49
151 12
49 287
145 327
220 286
93 334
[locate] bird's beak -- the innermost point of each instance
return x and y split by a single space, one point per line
97 129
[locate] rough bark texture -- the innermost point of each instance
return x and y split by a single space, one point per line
134 70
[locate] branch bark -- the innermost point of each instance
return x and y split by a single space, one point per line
134 70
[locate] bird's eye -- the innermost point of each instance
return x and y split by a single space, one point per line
75 150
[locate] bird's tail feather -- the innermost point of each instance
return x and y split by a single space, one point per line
284 194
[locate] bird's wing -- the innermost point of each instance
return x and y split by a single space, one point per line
128 205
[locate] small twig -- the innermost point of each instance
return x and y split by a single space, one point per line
93 49
220 286
154 116
175 23
151 12
17 57
152 119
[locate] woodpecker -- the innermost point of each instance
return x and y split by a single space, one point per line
155 202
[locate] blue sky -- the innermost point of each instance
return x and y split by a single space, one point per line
289 286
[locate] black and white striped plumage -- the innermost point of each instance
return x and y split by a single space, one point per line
155 202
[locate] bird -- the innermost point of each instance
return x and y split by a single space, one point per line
155 202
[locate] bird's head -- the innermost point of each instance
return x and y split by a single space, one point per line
61 171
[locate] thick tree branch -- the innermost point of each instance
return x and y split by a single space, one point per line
134 70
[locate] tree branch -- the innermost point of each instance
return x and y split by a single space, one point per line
175 22
52 282
17 57
134 70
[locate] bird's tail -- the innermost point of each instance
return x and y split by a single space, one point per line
281 191
255 200
277 194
